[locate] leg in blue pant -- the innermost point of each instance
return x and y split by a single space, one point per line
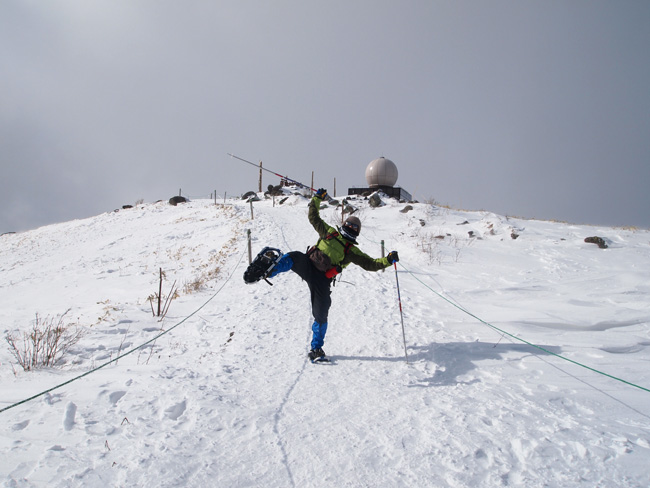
318 339
285 264
319 289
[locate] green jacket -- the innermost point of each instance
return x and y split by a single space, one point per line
333 244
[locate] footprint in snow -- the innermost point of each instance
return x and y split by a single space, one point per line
175 411
21 425
116 396
68 418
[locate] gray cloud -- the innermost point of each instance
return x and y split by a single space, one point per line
538 109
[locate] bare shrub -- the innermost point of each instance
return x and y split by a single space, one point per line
194 285
45 344
431 201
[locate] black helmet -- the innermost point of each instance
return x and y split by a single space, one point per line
351 227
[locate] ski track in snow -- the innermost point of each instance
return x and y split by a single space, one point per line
229 398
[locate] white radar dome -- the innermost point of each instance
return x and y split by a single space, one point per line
381 172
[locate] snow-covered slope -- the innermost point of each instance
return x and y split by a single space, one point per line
227 398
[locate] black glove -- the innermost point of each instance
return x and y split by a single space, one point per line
321 193
392 257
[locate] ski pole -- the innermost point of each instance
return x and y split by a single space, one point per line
273 173
401 314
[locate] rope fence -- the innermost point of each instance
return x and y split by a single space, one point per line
131 351
244 253
506 333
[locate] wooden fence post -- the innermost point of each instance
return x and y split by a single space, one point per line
250 252
160 291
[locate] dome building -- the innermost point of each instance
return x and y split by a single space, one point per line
381 175
381 172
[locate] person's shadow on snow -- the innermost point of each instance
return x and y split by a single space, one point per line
456 359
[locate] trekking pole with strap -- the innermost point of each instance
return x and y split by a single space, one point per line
401 314
286 178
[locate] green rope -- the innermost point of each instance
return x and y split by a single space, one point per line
520 339
514 336
130 351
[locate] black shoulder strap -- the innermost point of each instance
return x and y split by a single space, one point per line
346 244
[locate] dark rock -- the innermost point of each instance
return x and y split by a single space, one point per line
597 240
407 209
176 200
375 200
274 191
247 195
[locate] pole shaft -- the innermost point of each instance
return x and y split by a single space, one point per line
273 172
401 314
250 253
160 291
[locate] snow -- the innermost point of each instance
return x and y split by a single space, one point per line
220 393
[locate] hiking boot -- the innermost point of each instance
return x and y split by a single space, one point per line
315 354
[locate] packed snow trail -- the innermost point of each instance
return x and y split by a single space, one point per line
230 399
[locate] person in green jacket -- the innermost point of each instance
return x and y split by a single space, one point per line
336 249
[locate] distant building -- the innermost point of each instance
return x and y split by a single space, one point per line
381 175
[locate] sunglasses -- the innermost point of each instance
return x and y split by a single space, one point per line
352 226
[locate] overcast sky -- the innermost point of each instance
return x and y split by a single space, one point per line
537 109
